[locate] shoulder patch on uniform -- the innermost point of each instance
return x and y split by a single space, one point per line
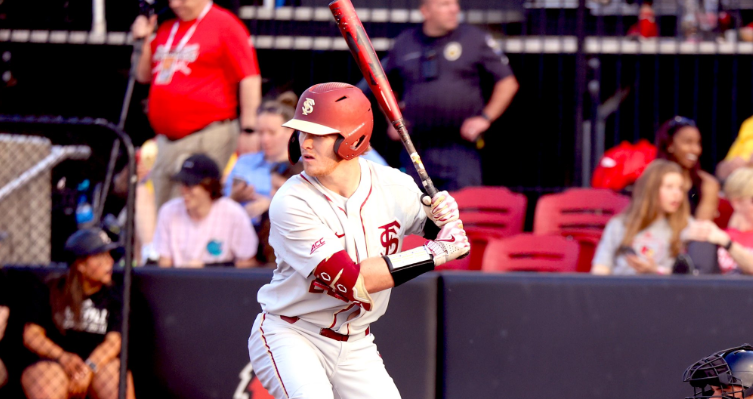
493 44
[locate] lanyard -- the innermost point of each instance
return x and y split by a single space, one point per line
188 34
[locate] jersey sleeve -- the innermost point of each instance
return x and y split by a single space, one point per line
609 243
239 52
491 59
300 238
245 242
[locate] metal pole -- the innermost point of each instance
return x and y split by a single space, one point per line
580 83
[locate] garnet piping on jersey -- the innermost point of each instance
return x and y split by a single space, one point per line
334 316
271 356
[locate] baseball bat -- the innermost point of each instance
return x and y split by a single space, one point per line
368 62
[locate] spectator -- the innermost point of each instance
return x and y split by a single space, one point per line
679 140
201 67
735 250
440 71
203 227
645 238
78 318
145 218
249 182
281 172
740 153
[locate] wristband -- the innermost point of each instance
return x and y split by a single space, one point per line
410 264
729 244
91 365
485 116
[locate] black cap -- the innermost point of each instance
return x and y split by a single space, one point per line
196 168
89 241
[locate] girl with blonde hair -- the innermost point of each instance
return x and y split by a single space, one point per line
645 238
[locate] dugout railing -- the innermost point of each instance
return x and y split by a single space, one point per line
51 169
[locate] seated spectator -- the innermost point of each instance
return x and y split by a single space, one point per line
249 182
740 153
645 238
735 250
679 140
202 227
281 172
77 318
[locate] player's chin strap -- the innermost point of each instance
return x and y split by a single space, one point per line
410 264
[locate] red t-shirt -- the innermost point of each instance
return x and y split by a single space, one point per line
199 84
744 238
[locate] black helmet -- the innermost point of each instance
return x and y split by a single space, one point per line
89 241
729 367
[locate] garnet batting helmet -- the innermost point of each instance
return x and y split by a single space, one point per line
333 108
729 368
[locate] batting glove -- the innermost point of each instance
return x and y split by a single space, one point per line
451 243
441 209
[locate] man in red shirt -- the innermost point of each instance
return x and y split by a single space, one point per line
202 67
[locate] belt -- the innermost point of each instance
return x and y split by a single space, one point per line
325 332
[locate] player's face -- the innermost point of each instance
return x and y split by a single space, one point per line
273 136
442 14
194 196
686 146
671 192
187 10
97 268
318 154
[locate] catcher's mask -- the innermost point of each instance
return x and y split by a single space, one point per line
729 370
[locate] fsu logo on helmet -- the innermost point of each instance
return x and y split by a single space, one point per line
308 106
250 387
389 238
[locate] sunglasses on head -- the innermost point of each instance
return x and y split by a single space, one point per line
681 121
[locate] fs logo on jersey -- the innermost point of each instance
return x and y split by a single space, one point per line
317 245
389 238
308 106
250 387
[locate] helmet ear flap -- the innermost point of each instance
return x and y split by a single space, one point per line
338 143
294 148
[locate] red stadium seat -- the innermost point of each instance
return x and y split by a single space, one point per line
488 213
724 213
580 214
531 253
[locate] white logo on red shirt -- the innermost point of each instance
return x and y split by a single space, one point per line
317 245
170 62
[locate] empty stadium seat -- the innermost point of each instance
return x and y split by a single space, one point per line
581 214
531 252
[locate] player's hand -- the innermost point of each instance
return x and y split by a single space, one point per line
143 27
451 243
441 209
473 127
241 191
72 364
642 266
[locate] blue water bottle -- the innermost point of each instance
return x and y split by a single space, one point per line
84 211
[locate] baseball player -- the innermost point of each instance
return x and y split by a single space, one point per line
337 230
726 374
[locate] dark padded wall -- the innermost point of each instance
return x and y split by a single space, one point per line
540 336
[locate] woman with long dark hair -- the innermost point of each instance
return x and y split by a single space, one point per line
74 329
645 238
679 140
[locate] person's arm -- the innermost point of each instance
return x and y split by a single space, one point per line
107 350
35 339
250 98
708 231
604 256
143 28
502 96
4 314
246 263
165 261
709 204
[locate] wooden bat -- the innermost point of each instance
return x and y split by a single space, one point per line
360 46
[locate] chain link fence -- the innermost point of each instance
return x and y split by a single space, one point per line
61 322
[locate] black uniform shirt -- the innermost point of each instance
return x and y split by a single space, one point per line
100 314
440 78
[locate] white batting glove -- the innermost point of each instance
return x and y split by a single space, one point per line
441 209
451 243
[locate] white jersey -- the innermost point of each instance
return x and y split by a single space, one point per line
309 223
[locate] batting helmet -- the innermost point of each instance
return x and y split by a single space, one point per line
727 368
331 108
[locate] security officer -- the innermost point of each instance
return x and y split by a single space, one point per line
438 70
